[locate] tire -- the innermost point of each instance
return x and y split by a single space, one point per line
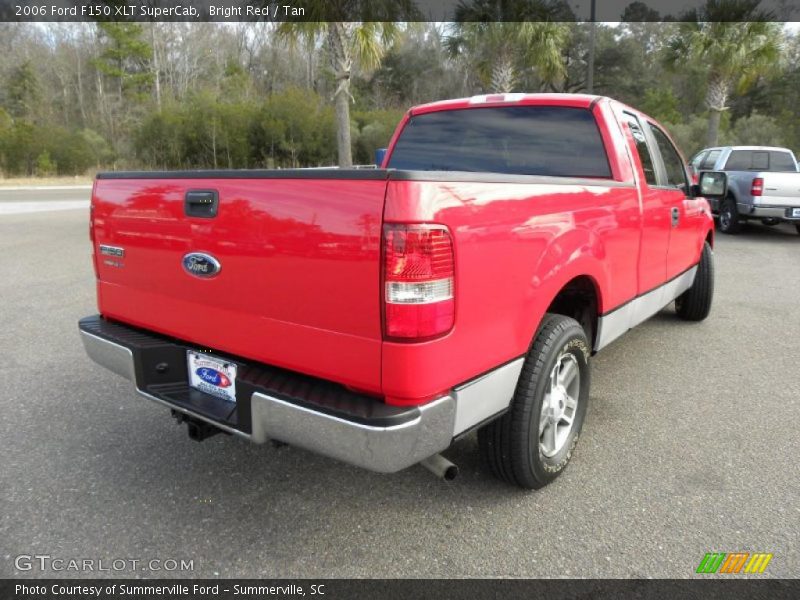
797 226
695 303
729 217
508 445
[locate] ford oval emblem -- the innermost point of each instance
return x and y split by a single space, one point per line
201 265
213 377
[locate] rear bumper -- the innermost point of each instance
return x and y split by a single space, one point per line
783 213
309 413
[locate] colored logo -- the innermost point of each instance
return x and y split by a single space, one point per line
734 562
201 265
213 377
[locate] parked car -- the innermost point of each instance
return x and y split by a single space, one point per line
462 286
763 185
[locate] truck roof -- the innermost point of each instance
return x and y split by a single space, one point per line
776 148
571 100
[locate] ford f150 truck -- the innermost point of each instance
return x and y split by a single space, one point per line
375 316
763 185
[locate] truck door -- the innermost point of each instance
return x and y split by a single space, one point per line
655 209
686 215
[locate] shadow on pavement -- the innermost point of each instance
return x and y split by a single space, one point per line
762 233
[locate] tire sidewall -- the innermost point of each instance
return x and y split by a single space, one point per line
547 468
695 303
728 207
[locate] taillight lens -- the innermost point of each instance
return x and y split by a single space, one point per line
757 187
91 237
419 281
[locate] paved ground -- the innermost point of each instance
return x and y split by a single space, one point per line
691 445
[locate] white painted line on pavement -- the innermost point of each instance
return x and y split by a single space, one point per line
21 208
22 188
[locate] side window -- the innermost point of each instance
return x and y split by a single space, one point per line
642 149
710 160
673 164
698 160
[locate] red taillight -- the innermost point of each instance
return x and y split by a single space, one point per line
91 238
419 281
757 187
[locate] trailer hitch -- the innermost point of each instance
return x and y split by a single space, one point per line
198 430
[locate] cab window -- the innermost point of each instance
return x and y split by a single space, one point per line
557 141
698 160
710 160
673 164
641 148
760 160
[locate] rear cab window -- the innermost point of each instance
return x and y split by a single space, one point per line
760 160
520 140
781 161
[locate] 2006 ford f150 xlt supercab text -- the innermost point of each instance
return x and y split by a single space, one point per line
375 316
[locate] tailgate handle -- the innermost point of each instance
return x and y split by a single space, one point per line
201 203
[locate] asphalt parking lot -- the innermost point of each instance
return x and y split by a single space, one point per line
691 445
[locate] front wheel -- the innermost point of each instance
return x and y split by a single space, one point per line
534 441
695 303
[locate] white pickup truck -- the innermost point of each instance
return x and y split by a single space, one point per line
763 184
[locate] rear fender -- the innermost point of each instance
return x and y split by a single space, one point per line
576 253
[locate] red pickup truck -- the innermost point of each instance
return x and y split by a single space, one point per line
377 315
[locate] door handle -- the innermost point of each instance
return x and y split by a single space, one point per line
676 216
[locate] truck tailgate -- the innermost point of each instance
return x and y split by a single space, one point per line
779 189
298 284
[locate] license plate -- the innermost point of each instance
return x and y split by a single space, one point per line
796 212
212 375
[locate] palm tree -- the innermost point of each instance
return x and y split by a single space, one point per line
498 52
348 42
500 39
734 43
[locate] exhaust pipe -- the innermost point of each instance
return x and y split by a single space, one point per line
441 467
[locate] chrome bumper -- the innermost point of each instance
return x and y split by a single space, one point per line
382 449
768 212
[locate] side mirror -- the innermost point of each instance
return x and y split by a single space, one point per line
711 184
380 154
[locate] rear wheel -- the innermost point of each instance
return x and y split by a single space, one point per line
729 217
695 303
797 226
533 442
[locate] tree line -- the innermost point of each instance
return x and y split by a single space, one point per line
79 97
